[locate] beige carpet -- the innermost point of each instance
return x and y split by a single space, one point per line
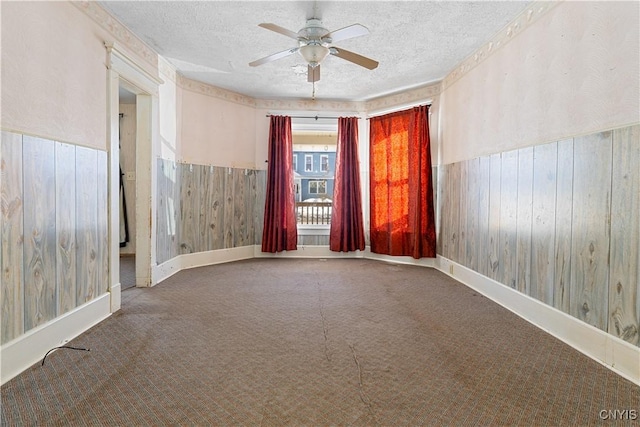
307 342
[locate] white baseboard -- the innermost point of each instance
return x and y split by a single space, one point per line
422 262
612 352
199 259
24 351
116 297
307 251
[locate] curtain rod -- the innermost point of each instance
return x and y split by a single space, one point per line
312 117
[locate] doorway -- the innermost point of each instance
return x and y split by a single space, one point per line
127 157
125 72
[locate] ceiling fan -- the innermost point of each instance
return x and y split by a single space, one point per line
314 45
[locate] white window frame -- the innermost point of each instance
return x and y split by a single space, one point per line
324 163
306 163
295 162
317 181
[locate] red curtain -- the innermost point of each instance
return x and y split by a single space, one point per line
280 231
347 231
402 214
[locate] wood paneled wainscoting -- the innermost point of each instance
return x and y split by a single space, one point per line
559 222
54 242
205 208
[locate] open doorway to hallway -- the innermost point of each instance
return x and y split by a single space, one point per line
127 145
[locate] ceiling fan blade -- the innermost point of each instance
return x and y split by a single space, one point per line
273 57
363 61
349 32
313 73
279 29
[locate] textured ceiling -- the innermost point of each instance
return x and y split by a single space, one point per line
416 42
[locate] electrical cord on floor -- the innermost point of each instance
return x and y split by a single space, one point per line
63 346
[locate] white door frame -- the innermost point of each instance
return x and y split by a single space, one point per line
124 70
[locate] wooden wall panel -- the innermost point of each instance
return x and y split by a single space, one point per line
249 203
473 191
205 188
174 216
206 206
508 218
313 240
189 209
442 243
102 222
544 222
454 212
239 209
440 209
261 193
524 219
563 227
436 186
40 299
577 224
65 182
86 220
484 174
215 218
591 229
228 225
463 210
162 233
201 192
625 235
12 283
494 216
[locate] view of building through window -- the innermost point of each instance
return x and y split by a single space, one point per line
314 158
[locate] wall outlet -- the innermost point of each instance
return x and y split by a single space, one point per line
130 176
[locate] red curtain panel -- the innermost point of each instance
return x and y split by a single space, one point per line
347 230
402 214
280 231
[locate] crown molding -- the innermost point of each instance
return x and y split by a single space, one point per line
422 93
166 69
309 105
523 21
121 33
214 91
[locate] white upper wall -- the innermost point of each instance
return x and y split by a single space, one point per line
216 131
573 71
53 73
169 103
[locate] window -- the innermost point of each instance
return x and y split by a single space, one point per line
324 163
316 152
318 187
295 162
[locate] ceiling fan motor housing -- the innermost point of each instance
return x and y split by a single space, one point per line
314 31
313 48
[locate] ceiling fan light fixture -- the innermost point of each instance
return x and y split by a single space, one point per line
314 54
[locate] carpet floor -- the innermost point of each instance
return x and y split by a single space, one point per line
127 272
353 342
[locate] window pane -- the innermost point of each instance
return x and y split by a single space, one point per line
324 163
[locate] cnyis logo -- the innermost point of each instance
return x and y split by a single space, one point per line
618 414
